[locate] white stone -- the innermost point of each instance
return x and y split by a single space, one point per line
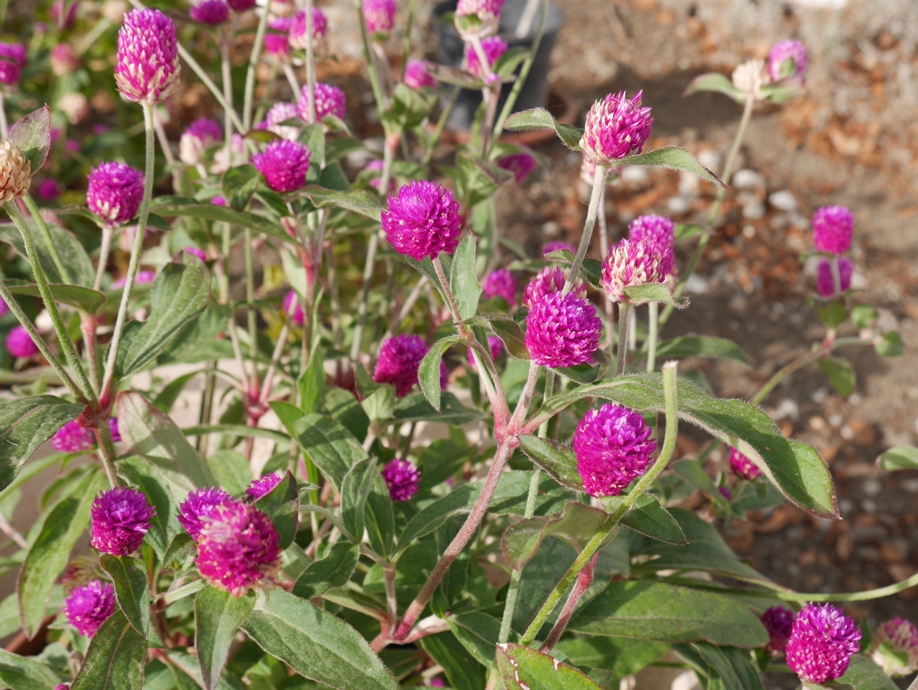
747 179
696 285
783 200
678 205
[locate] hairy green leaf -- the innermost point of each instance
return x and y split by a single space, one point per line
132 589
674 158
76 296
217 616
539 118
333 571
329 445
701 346
429 369
115 659
522 668
20 673
32 134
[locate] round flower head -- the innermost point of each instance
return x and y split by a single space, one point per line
88 607
615 127
894 647
492 47
822 642
399 359
496 347
833 227
501 283
289 301
120 518
630 263
200 136
549 281
280 113
417 77
147 65
558 246
659 232
825 281
212 12
422 220
199 504
64 59
12 59
778 621
49 190
284 164
20 344
379 16
750 77
297 34
520 164
237 548
114 429
788 59
15 172
402 479
562 330
613 448
483 9
263 486
241 5
330 100
487 14
742 466
72 438
115 191
278 46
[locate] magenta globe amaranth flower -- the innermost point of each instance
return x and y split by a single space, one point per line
825 281
120 519
212 12
821 643
295 312
562 330
742 466
147 64
263 486
197 138
613 448
483 9
399 359
284 164
660 233
833 227
88 607
280 113
500 283
520 164
631 263
788 59
894 647
13 58
492 47
478 18
778 621
417 77
278 46
48 190
549 281
402 479
379 16
237 548
72 438
200 504
20 344
615 127
4 307
115 192
422 220
297 33
330 100
558 246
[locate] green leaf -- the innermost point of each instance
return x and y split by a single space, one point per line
576 527
559 461
19 673
652 520
522 668
899 458
217 616
179 295
666 613
380 518
408 108
330 446
864 674
539 118
415 408
201 340
521 540
354 491
148 432
511 334
191 208
50 551
32 134
380 404
462 670
25 424
316 644
163 494
311 383
132 589
509 61
733 666
620 655
840 373
890 345
115 659
701 346
863 315
69 248
474 181
715 82
282 505
464 282
833 314
654 292
429 369
333 571
357 201
478 632
674 158
76 296
238 185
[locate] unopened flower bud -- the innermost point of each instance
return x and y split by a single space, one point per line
197 138
894 647
417 77
788 59
15 172
147 65
64 59
630 263
614 128
486 14
750 77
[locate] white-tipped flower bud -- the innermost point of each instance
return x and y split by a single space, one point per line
750 77
15 171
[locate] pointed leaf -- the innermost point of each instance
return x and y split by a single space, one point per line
354 491
20 673
890 345
701 346
539 118
333 571
191 208
652 520
654 292
329 445
674 158
217 616
115 659
76 296
732 666
464 282
415 408
132 589
899 458
69 248
357 201
864 674
282 505
715 82
521 540
559 461
840 373
429 369
380 518
238 185
32 134
511 334
460 666
522 668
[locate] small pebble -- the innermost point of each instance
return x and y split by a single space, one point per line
783 200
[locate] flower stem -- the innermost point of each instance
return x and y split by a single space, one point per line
584 580
104 251
599 182
624 313
107 453
310 65
247 111
653 319
215 92
50 246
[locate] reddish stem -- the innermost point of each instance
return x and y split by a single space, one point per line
584 580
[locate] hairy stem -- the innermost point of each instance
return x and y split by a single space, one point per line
653 318
624 312
584 580
107 453
247 110
514 589
50 246
599 182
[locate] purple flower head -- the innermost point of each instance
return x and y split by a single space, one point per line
297 34
399 359
289 301
484 9
417 77
278 45
520 164
12 59
501 283
630 263
120 518
379 16
72 438
549 281
821 643
742 466
49 190
833 227
493 47
613 448
115 192
422 220
20 344
88 607
330 100
237 548
615 127
825 281
114 429
147 65
284 164
197 138
199 504
263 486
141 278
788 59
557 246
496 347
64 59
402 479
241 5
212 12
778 621
894 647
562 330
280 113
659 233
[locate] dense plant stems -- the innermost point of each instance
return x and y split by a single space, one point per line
624 314
608 304
247 110
653 319
107 452
583 582
599 181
